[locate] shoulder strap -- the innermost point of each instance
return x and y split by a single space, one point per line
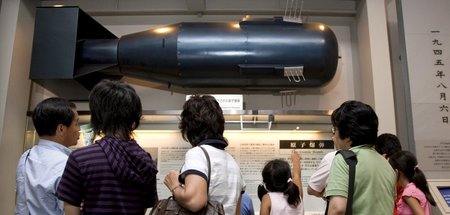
209 166
28 155
351 160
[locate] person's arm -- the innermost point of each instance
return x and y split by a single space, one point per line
21 202
414 204
265 205
313 192
297 171
150 191
70 186
337 187
318 180
337 205
71 210
238 206
193 195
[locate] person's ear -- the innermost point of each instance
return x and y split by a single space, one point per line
60 129
348 142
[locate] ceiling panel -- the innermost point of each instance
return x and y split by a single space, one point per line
211 7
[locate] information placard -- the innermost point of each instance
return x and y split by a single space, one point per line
251 149
427 41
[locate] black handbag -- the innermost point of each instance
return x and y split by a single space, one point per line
170 206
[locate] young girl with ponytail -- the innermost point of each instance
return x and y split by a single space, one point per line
281 191
416 197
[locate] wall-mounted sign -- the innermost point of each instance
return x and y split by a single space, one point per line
228 101
428 50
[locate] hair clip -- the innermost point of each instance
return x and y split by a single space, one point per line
263 185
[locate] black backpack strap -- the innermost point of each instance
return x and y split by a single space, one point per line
351 160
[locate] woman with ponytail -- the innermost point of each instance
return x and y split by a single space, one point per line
281 191
416 197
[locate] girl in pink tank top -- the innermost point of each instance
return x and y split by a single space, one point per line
416 197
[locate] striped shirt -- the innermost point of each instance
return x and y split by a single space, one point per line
109 177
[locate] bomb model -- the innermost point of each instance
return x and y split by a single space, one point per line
253 55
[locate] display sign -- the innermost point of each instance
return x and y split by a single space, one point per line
251 150
228 101
440 190
445 192
427 41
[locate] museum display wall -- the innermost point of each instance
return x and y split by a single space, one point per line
363 73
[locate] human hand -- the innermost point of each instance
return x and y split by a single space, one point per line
171 179
295 157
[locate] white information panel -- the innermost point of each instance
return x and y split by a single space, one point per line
227 101
427 40
251 149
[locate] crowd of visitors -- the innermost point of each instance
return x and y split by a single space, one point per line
116 176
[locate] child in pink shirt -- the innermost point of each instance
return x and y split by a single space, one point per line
416 197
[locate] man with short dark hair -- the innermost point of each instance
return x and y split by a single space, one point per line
355 126
40 168
387 145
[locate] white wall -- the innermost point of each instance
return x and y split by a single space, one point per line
15 40
8 18
399 77
375 79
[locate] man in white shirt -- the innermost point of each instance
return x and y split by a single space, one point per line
318 180
40 168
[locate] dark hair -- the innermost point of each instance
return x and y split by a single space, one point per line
406 163
357 121
276 175
387 144
51 112
201 119
116 109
